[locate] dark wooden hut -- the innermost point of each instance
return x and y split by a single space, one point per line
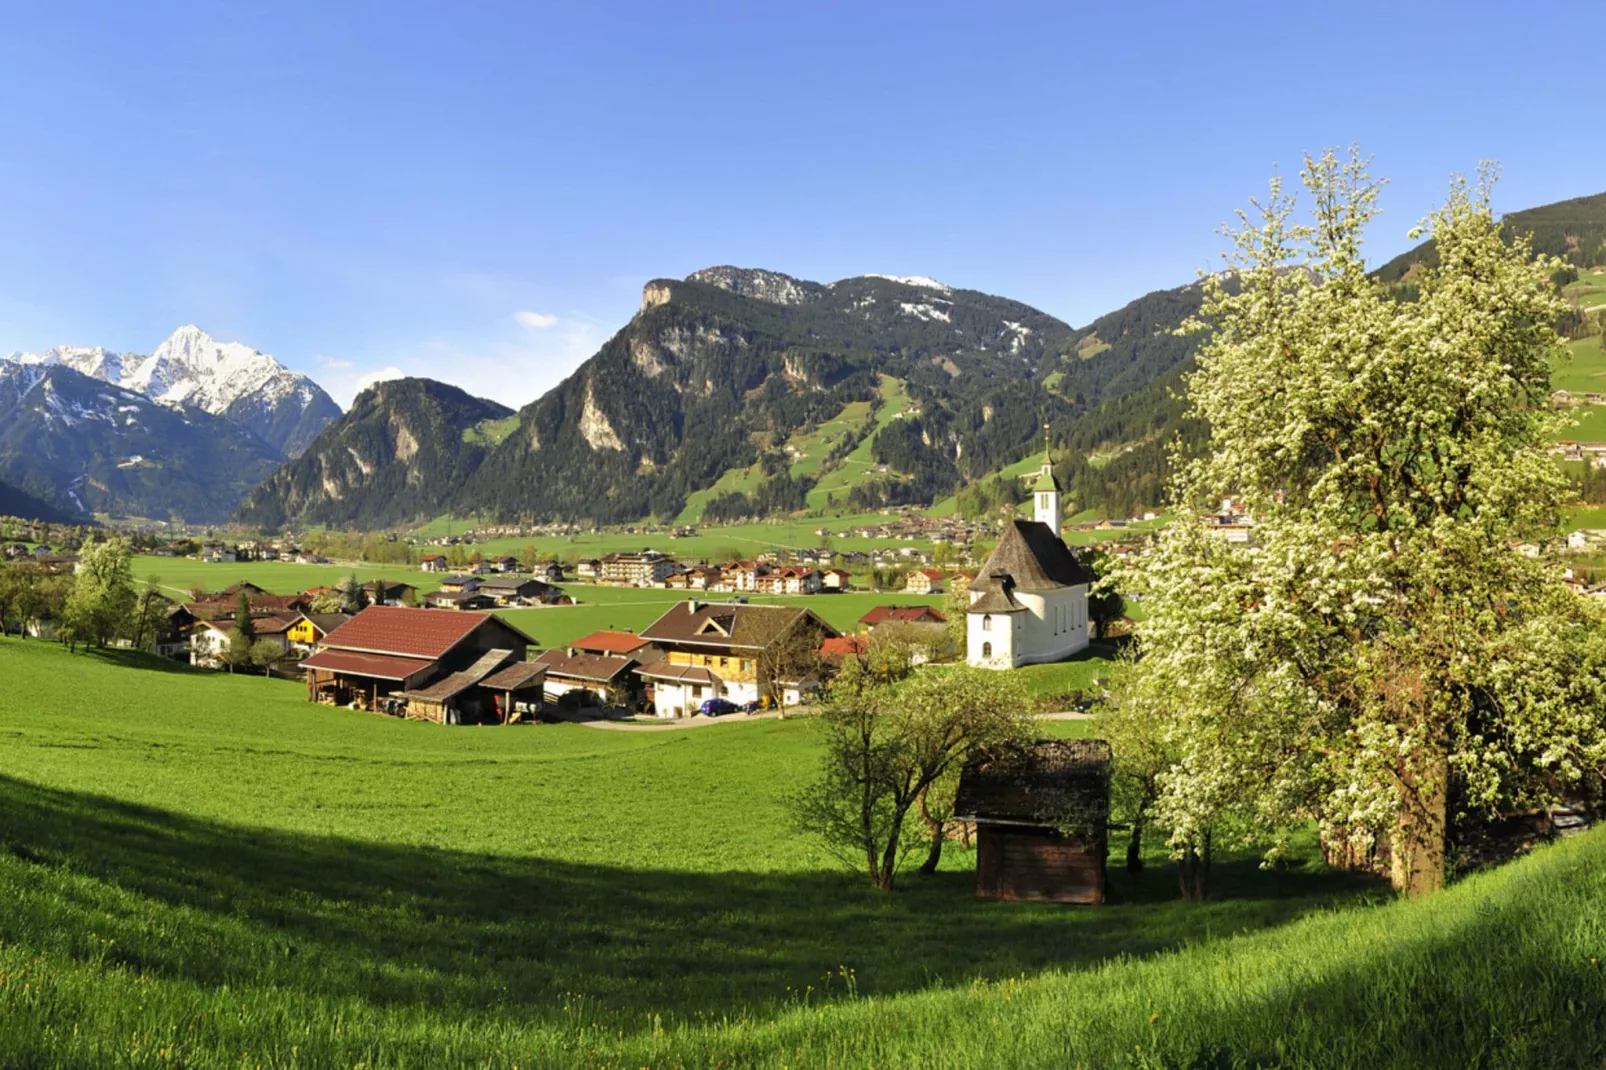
1041 815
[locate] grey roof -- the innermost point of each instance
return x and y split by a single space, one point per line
1034 558
458 682
729 624
996 600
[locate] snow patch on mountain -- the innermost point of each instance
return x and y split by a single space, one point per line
925 282
191 369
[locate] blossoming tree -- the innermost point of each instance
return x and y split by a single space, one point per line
1383 658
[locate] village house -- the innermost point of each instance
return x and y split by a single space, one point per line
466 600
835 579
552 572
588 569
210 641
596 680
433 563
444 667
924 581
879 615
309 630
696 578
519 591
458 583
645 569
790 579
389 592
1029 604
740 653
1041 817
504 564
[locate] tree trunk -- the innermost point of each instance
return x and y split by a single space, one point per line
934 830
1416 850
1134 847
1193 872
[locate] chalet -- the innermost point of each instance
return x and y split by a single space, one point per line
422 664
389 593
589 569
738 652
433 563
790 579
310 629
457 583
245 587
519 591
622 644
880 615
504 564
209 641
474 601
835 579
1041 815
742 575
552 572
696 578
217 555
924 581
596 679
841 647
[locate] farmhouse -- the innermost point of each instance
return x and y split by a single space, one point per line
389 592
1041 817
1030 602
309 629
924 581
433 563
519 591
474 601
596 679
384 655
737 652
835 579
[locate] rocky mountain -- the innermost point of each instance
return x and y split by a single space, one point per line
728 369
406 446
86 446
192 370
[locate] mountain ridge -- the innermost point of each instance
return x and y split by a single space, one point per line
191 369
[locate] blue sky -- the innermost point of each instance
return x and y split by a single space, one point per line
477 192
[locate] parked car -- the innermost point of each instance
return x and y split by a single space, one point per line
715 706
751 707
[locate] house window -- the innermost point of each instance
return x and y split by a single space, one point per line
746 664
987 650
707 660
987 622
723 662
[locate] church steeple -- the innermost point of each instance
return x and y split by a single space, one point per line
1046 491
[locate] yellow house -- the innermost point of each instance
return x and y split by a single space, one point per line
310 628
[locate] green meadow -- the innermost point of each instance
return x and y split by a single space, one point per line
202 870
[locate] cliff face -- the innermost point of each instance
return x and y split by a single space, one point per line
406 446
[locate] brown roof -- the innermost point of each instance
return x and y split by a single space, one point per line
514 676
375 665
843 646
728 624
915 614
1048 783
610 642
600 668
458 682
327 622
419 633
1033 557
931 573
684 674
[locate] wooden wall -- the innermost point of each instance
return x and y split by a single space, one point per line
1038 864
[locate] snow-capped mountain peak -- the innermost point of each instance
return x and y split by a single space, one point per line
191 369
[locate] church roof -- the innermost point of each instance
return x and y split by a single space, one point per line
1045 479
1034 558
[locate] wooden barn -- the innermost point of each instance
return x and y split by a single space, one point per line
1041 816
421 663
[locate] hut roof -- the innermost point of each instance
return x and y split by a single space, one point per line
1052 782
379 666
729 624
419 633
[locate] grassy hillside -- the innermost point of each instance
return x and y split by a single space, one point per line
202 870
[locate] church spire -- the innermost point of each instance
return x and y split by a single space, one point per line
1046 491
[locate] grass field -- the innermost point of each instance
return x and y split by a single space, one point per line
202 870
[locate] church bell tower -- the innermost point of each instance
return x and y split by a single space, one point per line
1046 491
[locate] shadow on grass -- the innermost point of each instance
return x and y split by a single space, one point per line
397 925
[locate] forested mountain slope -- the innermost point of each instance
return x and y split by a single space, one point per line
406 446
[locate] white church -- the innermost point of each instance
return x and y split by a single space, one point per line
1029 603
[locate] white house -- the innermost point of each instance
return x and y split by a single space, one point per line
1029 603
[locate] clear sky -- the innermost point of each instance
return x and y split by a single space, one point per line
477 191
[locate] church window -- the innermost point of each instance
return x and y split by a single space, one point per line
987 650
987 622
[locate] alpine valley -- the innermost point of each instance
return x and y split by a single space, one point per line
738 392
